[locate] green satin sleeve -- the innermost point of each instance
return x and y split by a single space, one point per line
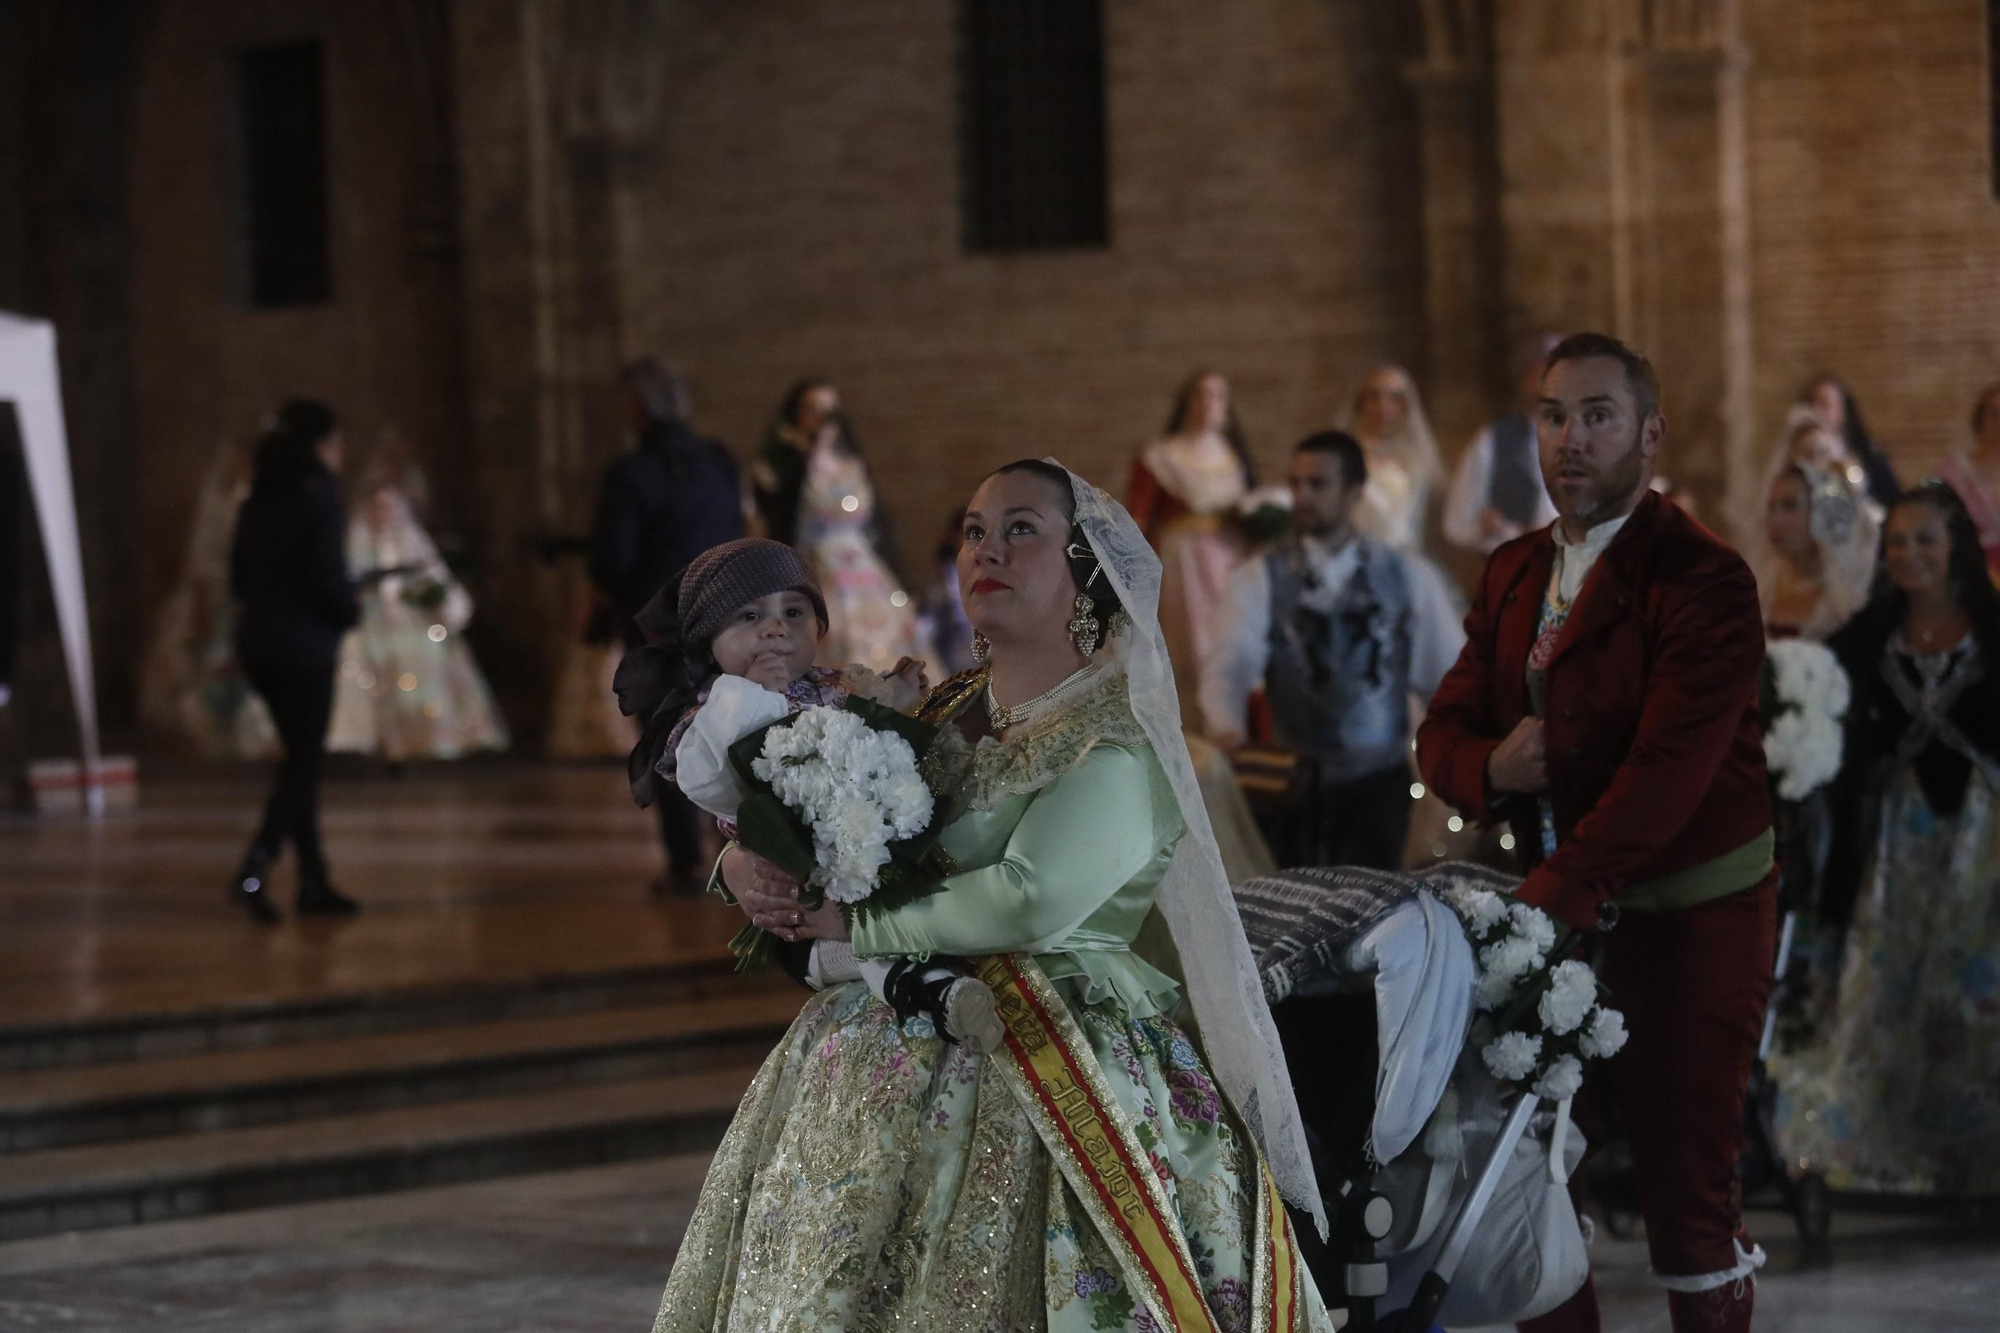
1081 839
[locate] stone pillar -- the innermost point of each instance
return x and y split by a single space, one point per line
512 246
1560 89
1697 272
1464 331
1624 205
548 108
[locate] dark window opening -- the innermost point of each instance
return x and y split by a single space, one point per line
281 175
1034 153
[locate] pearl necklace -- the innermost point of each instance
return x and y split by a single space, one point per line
1004 717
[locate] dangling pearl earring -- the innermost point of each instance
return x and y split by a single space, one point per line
1083 625
980 647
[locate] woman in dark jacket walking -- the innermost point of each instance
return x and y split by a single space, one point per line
288 569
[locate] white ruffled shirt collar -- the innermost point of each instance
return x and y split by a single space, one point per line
1574 558
1333 566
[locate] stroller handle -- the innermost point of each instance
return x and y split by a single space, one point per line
1430 1293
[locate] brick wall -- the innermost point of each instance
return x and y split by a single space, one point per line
206 365
804 218
1875 235
780 196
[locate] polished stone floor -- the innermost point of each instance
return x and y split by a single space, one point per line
466 873
511 873
589 1250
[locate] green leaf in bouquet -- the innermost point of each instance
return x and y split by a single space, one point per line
1266 523
770 828
425 593
879 717
902 882
755 949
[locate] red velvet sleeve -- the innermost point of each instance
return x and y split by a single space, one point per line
1459 730
1707 655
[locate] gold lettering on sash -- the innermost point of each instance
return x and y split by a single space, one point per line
1154 1257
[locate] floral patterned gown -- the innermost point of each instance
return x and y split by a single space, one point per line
866 621
408 686
876 1177
1901 1095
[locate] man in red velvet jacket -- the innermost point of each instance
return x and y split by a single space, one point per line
1605 706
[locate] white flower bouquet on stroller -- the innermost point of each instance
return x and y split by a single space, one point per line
1540 1020
1435 1031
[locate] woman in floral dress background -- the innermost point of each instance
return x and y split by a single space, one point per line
1901 1093
408 686
813 491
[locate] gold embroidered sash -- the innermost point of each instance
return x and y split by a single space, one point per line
1057 1080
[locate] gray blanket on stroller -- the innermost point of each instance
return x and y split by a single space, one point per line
1301 922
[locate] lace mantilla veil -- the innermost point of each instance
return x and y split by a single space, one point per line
1194 896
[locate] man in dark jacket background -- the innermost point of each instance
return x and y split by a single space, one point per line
288 570
669 500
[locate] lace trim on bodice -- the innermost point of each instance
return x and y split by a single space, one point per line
1039 751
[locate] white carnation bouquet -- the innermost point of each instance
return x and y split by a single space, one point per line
857 789
1265 513
1538 1021
1805 695
836 795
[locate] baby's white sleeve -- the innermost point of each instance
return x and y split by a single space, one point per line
735 708
833 961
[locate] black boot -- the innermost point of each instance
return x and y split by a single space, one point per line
250 887
318 897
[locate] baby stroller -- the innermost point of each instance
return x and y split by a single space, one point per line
1437 1181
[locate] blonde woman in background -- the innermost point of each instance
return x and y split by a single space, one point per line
1385 412
193 685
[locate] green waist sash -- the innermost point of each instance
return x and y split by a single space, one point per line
1731 872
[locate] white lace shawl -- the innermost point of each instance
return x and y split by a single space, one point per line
1223 985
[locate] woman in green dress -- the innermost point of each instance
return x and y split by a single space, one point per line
1105 1168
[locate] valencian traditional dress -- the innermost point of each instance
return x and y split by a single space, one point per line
872 620
1902 1093
1181 494
192 684
1981 498
408 686
1087 1175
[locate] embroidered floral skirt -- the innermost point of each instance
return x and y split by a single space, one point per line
403 695
1902 1092
877 1178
